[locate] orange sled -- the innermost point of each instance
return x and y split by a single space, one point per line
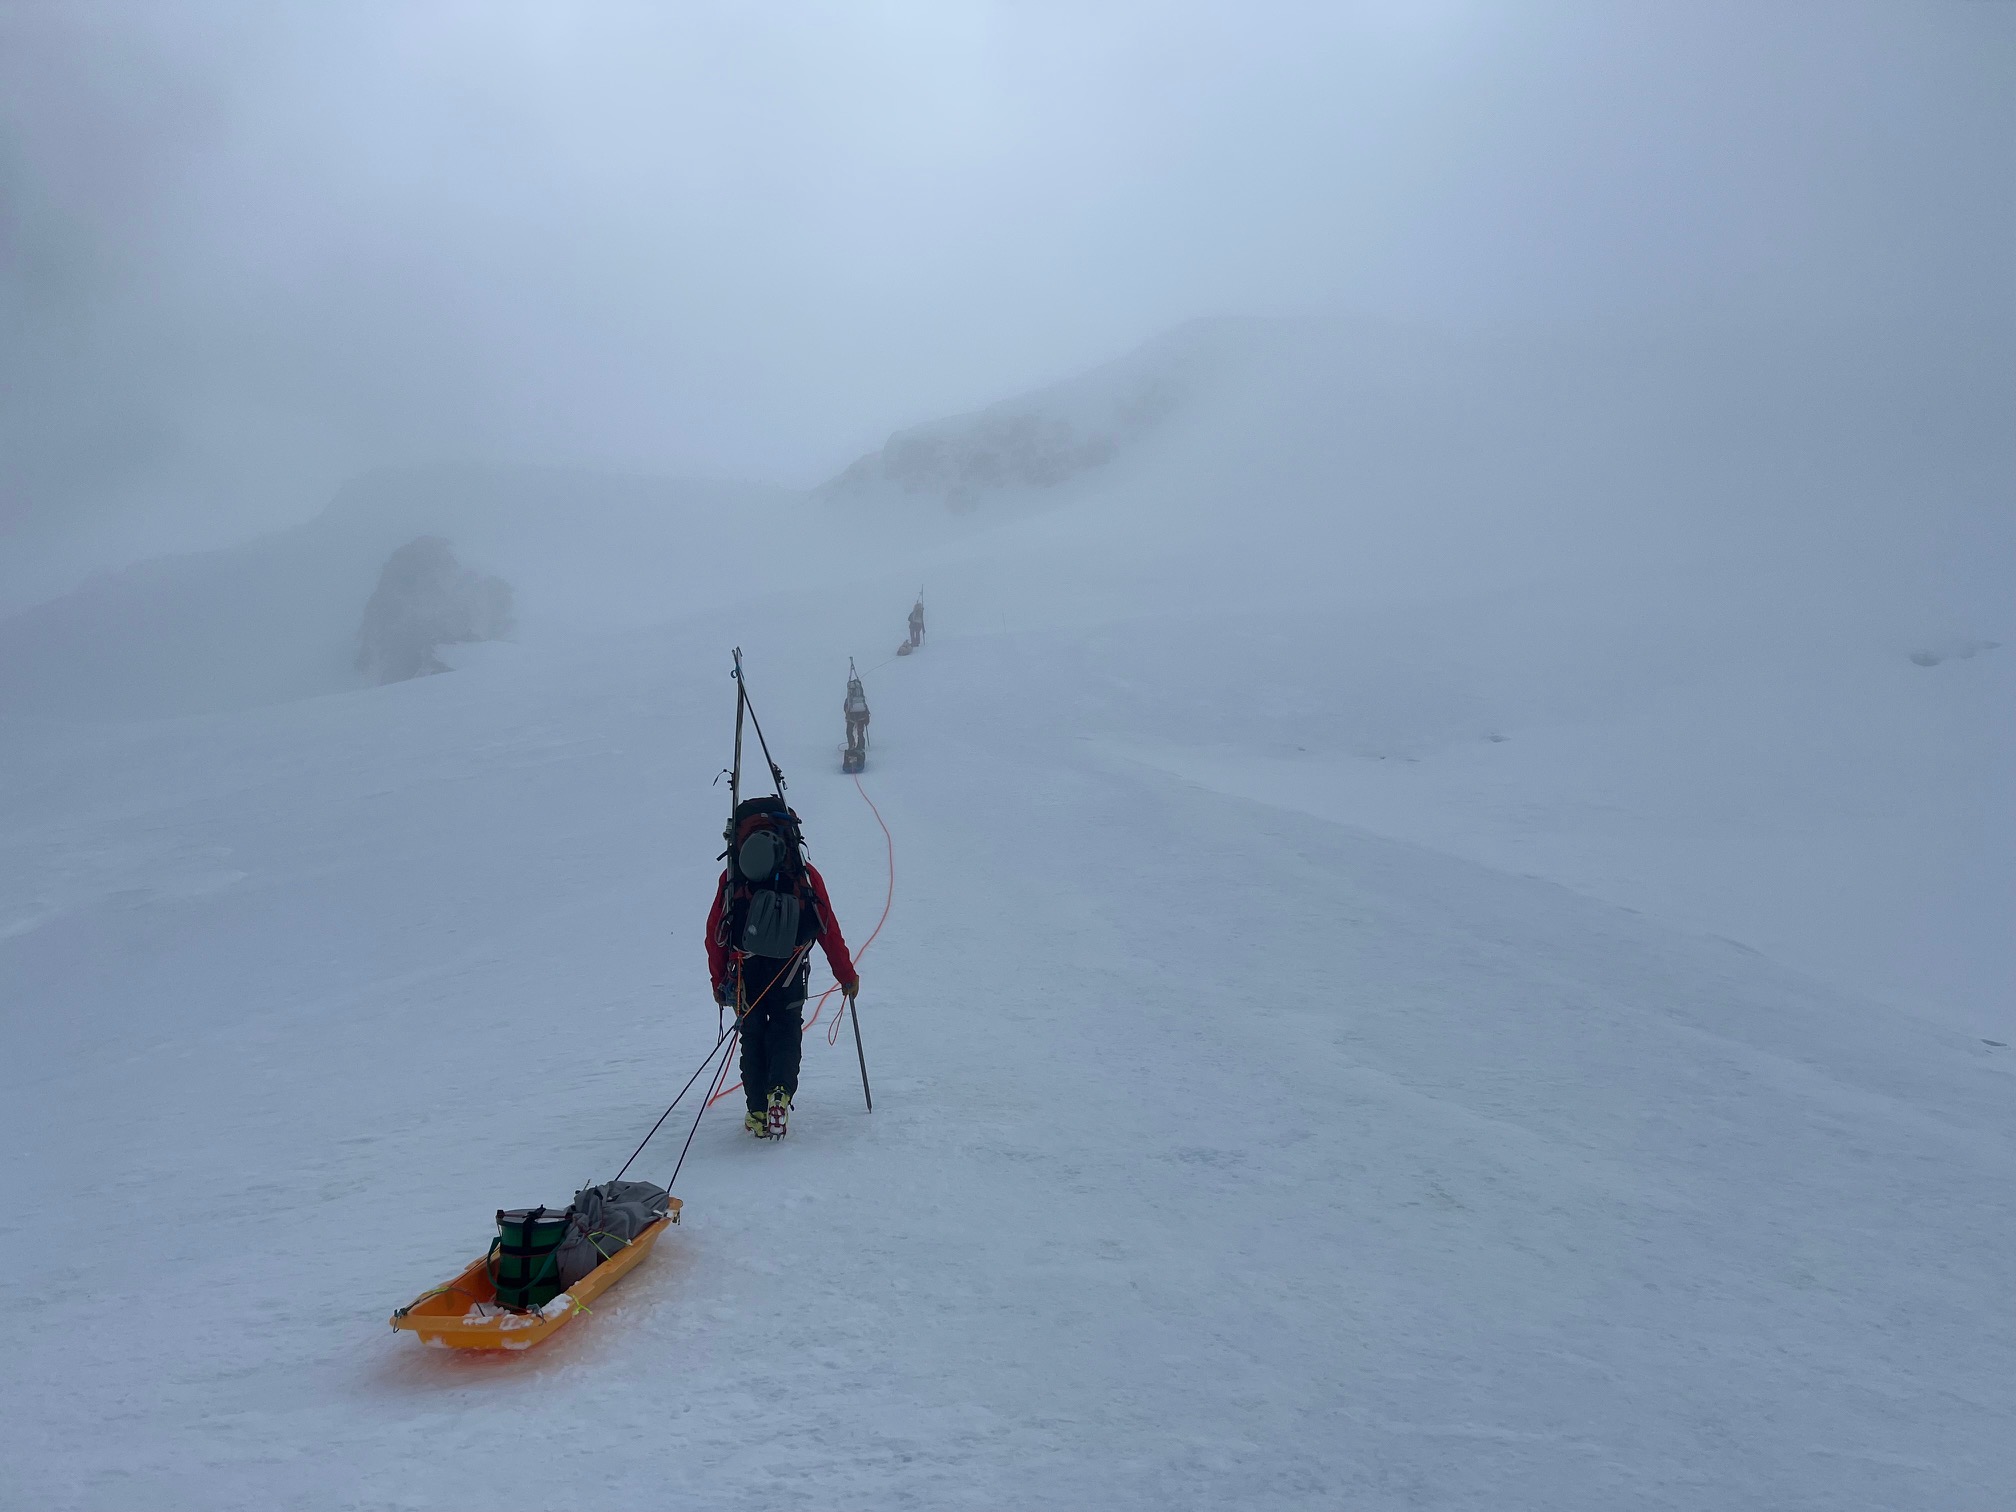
464 1314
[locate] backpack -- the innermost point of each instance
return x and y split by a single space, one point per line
767 915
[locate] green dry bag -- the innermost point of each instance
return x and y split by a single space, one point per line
524 1257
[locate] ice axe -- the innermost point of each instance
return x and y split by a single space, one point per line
847 1003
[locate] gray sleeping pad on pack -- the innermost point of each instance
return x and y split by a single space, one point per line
604 1219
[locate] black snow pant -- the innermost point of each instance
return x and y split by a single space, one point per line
773 1029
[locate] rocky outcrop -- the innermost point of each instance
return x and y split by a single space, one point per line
426 599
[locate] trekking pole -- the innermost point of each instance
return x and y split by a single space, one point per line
859 1054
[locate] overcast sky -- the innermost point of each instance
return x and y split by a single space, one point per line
249 249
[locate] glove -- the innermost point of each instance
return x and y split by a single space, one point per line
849 989
724 995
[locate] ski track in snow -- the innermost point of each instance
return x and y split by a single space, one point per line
1223 1154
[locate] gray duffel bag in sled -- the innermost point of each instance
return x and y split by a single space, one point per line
603 1220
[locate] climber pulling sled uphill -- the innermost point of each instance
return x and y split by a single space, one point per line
770 907
546 1266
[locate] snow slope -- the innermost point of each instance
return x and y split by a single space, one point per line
1400 992
1224 1153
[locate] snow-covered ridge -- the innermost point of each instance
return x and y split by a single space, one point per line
277 618
1052 435
1248 460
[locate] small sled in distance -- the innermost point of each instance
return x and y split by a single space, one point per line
853 759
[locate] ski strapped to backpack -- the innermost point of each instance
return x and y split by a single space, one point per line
769 911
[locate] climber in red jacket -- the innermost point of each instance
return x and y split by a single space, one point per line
770 906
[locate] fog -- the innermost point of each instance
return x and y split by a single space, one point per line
254 250
1447 850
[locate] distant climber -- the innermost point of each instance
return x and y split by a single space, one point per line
856 709
770 906
917 623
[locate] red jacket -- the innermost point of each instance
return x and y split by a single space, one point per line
720 959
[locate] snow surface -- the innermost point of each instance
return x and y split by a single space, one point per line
1393 1024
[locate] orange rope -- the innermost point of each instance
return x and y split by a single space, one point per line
833 1029
889 898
